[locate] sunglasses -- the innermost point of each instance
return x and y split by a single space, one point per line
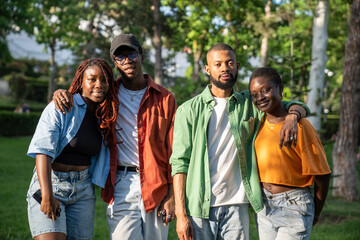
131 56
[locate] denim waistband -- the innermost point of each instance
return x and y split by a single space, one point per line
287 194
75 176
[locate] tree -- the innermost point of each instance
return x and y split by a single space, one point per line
319 59
14 16
265 38
53 22
157 42
346 145
289 45
201 24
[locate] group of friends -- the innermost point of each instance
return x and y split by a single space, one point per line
204 163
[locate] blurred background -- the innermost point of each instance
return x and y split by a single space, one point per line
313 44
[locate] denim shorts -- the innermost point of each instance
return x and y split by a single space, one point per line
286 215
76 195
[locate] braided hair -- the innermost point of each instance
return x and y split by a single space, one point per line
106 111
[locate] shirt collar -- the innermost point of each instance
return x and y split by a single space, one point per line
208 97
78 99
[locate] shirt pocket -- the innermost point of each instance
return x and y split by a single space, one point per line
247 129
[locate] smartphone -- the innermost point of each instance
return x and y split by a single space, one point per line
37 197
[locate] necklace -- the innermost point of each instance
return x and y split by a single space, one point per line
132 95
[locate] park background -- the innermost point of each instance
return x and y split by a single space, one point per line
314 45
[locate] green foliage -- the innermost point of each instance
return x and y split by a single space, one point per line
30 89
17 85
29 67
201 24
14 124
14 16
36 90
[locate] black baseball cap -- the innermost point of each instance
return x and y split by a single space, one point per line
128 40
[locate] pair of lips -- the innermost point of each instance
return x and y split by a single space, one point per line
225 76
98 94
262 103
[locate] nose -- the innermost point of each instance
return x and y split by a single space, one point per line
99 83
224 67
260 96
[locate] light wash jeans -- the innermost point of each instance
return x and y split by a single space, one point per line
225 222
126 215
76 195
287 215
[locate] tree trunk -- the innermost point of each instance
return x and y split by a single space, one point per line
51 87
319 58
197 51
347 140
157 42
265 38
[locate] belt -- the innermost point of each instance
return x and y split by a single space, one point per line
129 169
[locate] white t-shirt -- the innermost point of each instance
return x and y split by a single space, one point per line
226 185
126 126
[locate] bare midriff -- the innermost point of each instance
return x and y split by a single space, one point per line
59 167
276 188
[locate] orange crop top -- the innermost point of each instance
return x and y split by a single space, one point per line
291 167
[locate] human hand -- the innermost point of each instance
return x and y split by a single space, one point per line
184 228
289 131
63 100
167 210
49 206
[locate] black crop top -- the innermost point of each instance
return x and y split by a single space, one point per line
85 144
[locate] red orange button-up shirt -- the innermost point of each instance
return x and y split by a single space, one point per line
155 134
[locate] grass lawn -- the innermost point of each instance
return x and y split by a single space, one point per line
340 219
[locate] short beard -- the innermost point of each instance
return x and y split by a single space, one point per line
224 86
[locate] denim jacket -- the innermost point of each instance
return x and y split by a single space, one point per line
55 130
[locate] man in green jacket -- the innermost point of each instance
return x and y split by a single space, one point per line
213 160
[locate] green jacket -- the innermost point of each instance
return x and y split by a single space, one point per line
190 152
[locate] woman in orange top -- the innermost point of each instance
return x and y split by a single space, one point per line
290 210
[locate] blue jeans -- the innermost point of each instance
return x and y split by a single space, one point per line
126 215
225 222
76 195
287 215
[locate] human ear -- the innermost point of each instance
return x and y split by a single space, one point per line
207 70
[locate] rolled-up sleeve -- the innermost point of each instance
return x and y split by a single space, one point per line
182 142
46 137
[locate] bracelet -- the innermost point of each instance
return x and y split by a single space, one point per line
297 116
294 110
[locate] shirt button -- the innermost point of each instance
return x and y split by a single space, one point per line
207 181
207 199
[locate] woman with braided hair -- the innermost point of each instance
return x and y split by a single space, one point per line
72 153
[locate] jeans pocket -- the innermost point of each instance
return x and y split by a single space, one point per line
298 204
118 178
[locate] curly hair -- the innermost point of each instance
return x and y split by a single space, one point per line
106 111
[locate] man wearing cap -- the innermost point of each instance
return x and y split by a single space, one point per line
139 187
